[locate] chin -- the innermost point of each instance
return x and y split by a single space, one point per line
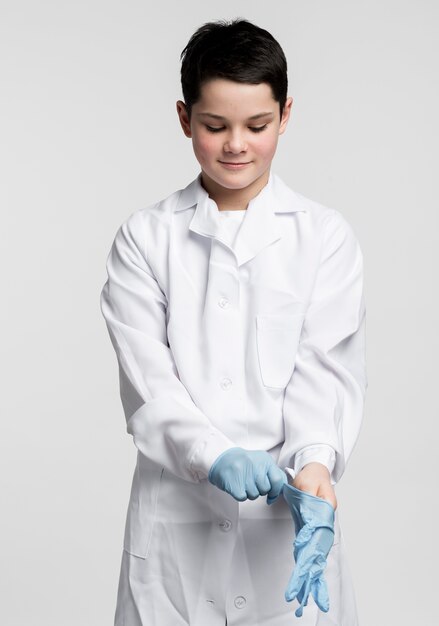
235 180
236 183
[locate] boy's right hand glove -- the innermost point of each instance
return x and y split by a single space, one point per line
314 523
247 474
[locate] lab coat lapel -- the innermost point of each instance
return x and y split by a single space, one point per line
259 228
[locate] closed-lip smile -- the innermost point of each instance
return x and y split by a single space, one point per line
230 165
233 162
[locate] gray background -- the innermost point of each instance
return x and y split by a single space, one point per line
89 133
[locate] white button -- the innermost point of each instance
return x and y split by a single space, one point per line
240 602
245 274
225 525
226 383
223 302
211 602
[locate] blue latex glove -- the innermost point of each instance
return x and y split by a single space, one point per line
314 523
247 474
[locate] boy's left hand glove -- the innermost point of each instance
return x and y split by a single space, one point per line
314 523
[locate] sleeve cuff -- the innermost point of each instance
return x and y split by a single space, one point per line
206 450
321 453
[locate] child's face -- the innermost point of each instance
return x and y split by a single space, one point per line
235 137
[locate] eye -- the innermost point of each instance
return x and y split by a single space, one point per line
254 129
212 129
258 129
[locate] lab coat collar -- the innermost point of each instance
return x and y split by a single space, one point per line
259 227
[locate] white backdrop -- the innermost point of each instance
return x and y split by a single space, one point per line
89 133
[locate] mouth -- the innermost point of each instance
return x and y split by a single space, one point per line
232 165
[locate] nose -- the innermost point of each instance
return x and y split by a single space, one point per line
235 143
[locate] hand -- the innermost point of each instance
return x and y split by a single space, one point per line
247 474
314 478
314 524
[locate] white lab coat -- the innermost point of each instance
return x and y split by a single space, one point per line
259 345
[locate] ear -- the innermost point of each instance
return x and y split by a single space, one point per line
286 114
183 117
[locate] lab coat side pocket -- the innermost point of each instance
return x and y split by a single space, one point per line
142 507
278 338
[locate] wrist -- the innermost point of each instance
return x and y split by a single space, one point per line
315 479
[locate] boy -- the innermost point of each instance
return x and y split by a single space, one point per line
236 310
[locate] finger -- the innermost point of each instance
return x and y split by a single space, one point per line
262 483
238 495
278 479
300 585
295 584
305 594
320 593
252 491
271 500
236 490
301 595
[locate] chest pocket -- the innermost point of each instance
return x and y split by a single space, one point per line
277 338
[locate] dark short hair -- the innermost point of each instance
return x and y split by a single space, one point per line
237 50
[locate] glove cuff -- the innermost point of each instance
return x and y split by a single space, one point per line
307 509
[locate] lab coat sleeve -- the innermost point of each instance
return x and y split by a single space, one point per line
166 425
324 399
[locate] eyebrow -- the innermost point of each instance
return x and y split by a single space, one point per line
252 117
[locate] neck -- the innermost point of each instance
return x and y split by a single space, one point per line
233 199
